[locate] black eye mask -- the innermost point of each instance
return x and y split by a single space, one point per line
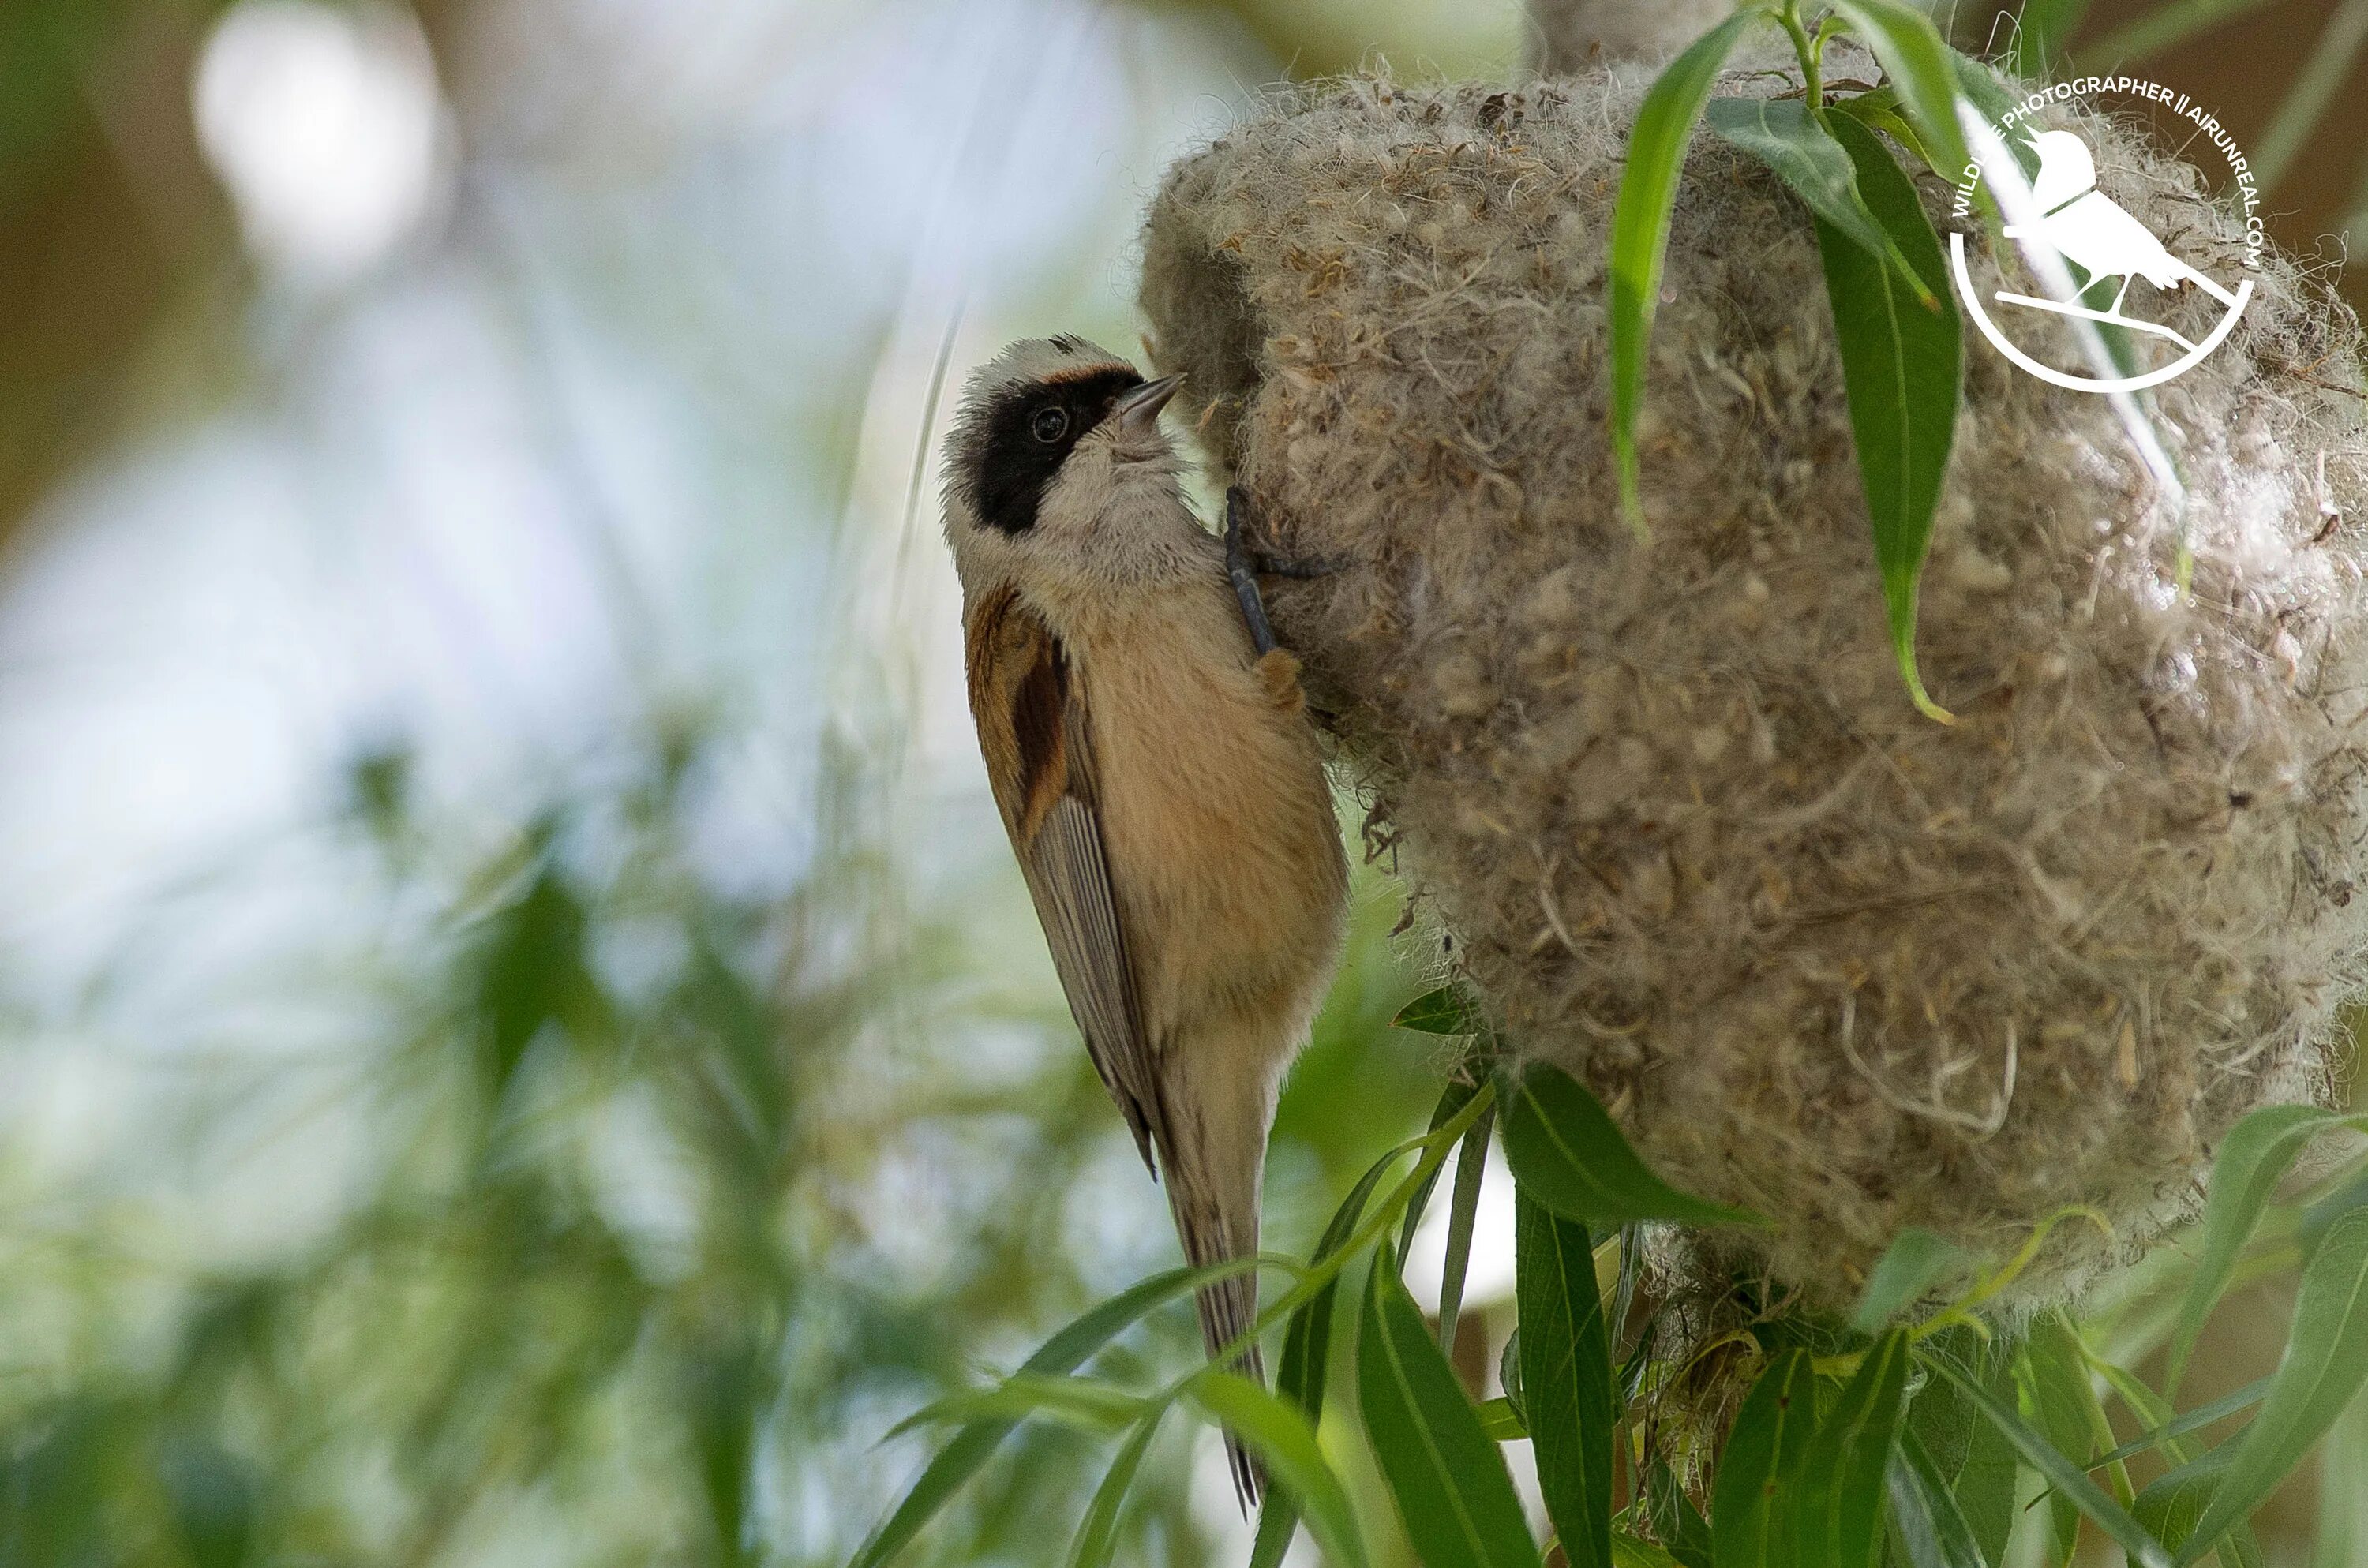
1030 433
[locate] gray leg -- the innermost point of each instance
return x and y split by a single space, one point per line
1245 566
1238 569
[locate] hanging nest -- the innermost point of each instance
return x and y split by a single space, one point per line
1820 956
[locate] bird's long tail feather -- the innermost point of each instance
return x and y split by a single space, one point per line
1227 1310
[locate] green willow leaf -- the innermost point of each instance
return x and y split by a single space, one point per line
1751 1522
2253 1160
1984 1488
1451 1101
2173 1504
2324 1363
1568 1153
2240 1549
1932 1528
1879 110
1838 1500
1640 229
1446 1011
1904 39
1087 1402
1902 365
1306 1358
1916 1261
1285 1444
1450 1482
2058 1397
1783 134
2172 1427
975 1444
1675 1519
1634 1551
2043 36
1097 1539
2059 1472
1463 1213
1501 1421
1566 1373
1508 1373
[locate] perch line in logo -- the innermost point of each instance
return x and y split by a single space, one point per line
2063 222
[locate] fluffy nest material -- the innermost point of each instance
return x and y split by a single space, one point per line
1819 955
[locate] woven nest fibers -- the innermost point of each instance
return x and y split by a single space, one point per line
1820 956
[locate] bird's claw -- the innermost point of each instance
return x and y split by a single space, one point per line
1238 570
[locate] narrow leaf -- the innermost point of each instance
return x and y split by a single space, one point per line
1462 1212
1501 1421
1445 1011
1916 1261
2253 1160
1984 1485
1452 1100
1675 1519
1869 111
1904 39
1566 1378
2064 1474
1640 229
2324 1363
2173 1506
1751 1526
1508 1368
2058 1397
1634 1551
1902 364
1783 134
1568 1153
1837 1502
1306 1355
1931 1526
2240 1549
2043 36
1097 1539
1449 1480
1077 1402
1284 1441
975 1444
2202 1415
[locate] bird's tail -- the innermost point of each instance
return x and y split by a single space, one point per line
1212 1159
1227 1310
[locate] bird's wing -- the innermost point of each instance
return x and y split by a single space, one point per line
1037 737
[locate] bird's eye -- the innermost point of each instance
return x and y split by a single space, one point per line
1050 424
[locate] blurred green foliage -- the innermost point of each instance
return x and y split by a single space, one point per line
610 1279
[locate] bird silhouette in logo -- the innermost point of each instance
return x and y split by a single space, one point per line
2092 232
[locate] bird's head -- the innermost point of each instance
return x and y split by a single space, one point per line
2066 168
1057 462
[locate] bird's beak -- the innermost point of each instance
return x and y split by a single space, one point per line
1138 411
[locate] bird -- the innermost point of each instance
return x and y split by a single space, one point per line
1156 769
2093 232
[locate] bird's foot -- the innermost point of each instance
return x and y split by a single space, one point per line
1240 572
1245 566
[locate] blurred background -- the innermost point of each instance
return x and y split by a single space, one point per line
520 1039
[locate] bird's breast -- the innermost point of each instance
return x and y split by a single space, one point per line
1216 816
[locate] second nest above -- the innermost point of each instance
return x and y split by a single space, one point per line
1819 955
